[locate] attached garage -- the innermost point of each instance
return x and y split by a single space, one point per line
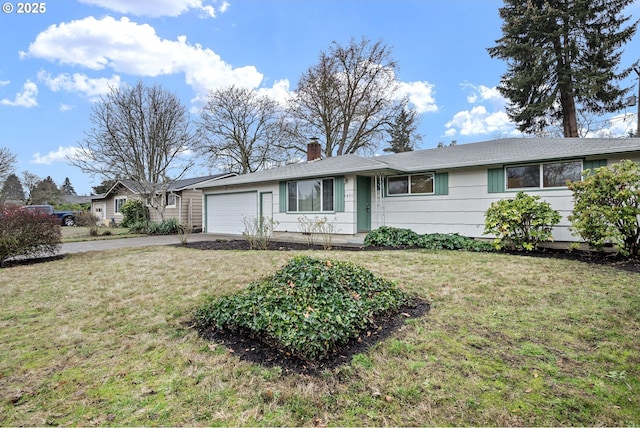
225 213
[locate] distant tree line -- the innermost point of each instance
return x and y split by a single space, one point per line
33 190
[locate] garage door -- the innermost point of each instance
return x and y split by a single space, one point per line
225 213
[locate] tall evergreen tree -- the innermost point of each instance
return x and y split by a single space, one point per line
562 55
104 187
12 190
45 192
67 188
403 132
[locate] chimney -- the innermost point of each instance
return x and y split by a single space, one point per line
314 150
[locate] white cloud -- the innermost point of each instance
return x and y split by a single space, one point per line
279 91
619 125
479 121
420 94
136 49
489 117
157 8
26 98
80 83
65 107
4 82
482 93
59 155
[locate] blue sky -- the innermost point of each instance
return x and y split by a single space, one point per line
54 65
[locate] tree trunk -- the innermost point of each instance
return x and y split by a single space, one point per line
569 119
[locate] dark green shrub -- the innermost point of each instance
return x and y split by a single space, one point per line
166 227
520 223
607 207
27 233
386 236
309 308
134 211
452 241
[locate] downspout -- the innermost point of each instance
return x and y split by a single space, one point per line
179 197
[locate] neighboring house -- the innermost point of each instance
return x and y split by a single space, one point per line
445 190
182 201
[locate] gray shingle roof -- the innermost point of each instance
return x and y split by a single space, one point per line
511 150
494 152
330 166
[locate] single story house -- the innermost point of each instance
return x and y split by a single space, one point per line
182 200
445 190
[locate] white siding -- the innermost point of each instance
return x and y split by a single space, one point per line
462 210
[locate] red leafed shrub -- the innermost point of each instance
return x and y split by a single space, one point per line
26 233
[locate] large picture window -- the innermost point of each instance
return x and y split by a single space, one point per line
310 195
542 176
418 184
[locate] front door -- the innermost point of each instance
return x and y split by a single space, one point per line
363 204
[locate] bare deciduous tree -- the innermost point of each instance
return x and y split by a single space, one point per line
7 160
241 131
140 133
347 99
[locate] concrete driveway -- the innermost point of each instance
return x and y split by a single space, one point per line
145 241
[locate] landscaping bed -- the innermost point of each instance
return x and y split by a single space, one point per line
595 257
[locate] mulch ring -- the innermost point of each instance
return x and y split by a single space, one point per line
249 348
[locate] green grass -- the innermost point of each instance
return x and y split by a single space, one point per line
100 339
81 233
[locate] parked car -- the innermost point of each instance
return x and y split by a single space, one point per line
67 218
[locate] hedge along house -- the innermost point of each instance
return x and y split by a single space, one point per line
182 201
444 190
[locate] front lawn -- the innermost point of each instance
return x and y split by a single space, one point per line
81 233
102 339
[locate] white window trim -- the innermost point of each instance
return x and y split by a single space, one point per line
115 204
333 180
175 200
540 176
408 176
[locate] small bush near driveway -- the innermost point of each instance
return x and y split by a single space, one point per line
27 233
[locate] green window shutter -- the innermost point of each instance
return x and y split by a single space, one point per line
496 180
339 193
441 183
593 164
283 197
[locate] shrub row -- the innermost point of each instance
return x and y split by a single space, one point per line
307 308
387 236
166 227
27 233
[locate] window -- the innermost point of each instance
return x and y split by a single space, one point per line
119 202
310 195
547 175
418 184
171 200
